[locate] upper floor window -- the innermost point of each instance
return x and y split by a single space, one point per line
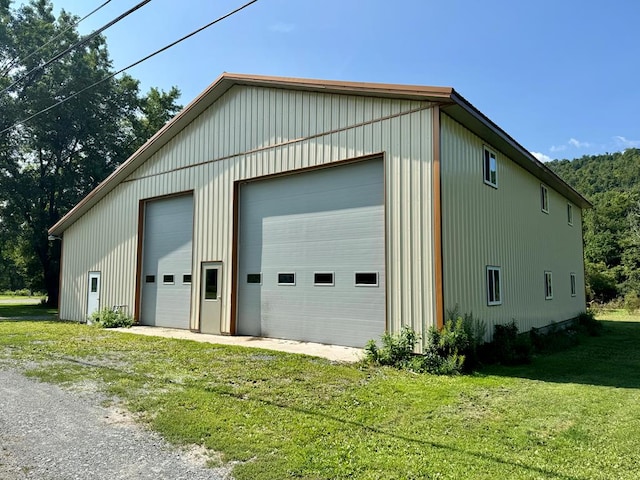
548 286
569 214
490 168
544 199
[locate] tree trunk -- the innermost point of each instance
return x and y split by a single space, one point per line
52 273
52 283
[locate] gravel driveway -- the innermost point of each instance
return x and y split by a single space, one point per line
48 433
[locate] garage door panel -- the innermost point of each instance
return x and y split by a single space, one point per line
167 250
331 220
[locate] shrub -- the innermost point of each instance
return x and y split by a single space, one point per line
587 322
555 338
631 302
108 318
443 351
396 350
509 348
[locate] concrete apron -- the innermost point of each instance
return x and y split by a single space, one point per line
335 353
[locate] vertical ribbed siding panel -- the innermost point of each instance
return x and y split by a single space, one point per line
328 128
504 227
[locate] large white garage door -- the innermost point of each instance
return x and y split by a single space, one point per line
166 262
311 256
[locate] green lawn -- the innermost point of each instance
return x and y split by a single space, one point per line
23 307
571 415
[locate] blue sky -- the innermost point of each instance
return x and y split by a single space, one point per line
560 76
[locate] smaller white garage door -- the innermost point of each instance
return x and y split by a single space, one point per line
166 262
311 256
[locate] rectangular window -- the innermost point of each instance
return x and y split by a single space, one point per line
323 278
494 286
167 279
211 284
286 279
573 284
569 214
150 279
544 199
254 278
366 279
548 286
186 278
94 285
490 168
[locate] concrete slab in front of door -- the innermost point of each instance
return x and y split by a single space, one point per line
335 353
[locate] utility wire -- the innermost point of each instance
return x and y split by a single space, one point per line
80 43
15 60
109 77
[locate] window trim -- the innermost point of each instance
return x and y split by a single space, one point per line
324 284
168 282
570 214
287 283
486 166
184 281
357 284
492 283
572 282
548 285
544 198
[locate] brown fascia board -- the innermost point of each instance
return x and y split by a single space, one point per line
469 116
384 90
452 103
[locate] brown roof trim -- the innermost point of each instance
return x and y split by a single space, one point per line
480 124
457 107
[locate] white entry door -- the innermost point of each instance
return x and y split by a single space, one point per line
211 297
93 296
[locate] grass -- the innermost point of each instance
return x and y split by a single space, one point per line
12 307
572 415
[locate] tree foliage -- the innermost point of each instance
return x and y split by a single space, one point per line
49 163
612 228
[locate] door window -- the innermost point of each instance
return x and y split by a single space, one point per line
211 284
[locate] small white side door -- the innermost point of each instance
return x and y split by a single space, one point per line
93 296
210 297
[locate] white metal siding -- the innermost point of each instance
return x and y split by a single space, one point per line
250 132
328 220
505 227
168 227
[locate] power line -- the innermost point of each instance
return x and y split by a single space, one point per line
109 77
18 59
78 44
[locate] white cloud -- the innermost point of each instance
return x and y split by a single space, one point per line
625 142
282 27
572 142
578 144
558 148
542 157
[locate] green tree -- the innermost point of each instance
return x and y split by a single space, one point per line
50 162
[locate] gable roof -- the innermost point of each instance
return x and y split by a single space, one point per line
450 102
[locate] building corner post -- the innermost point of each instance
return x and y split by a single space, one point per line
437 217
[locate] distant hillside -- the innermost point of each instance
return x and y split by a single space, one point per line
612 249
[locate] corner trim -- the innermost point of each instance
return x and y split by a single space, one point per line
437 218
